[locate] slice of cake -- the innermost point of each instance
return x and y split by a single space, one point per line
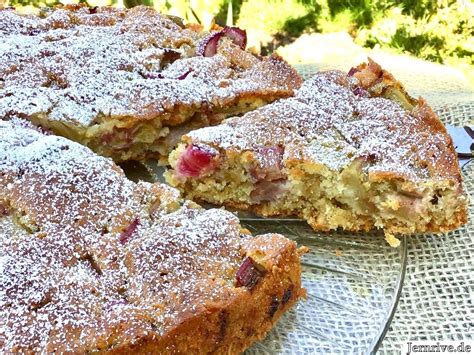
128 83
349 150
91 262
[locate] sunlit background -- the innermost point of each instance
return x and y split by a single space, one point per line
438 31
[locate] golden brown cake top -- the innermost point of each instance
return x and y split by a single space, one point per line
90 260
84 66
336 118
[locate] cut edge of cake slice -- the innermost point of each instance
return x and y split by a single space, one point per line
351 151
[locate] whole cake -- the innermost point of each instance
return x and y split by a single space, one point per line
92 262
129 83
349 150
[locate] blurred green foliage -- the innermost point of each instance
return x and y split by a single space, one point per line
437 30
287 17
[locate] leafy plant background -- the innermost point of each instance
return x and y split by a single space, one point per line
439 30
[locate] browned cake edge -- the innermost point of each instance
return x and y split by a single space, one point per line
379 83
266 285
246 317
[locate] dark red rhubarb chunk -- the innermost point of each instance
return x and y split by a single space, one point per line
208 47
269 164
287 295
358 91
154 76
248 275
195 161
4 210
238 36
183 76
127 234
370 157
274 305
352 71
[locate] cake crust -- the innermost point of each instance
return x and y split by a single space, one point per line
92 262
349 150
122 81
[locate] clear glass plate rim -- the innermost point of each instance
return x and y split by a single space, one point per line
248 217
399 286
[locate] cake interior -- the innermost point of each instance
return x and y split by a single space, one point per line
129 138
351 151
327 199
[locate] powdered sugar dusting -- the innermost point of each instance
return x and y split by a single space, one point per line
328 122
67 281
82 67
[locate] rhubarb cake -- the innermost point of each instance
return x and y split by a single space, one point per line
350 150
93 262
128 83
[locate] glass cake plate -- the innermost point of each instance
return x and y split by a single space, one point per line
353 284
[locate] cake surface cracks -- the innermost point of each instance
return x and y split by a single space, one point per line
120 79
352 151
91 261
327 123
